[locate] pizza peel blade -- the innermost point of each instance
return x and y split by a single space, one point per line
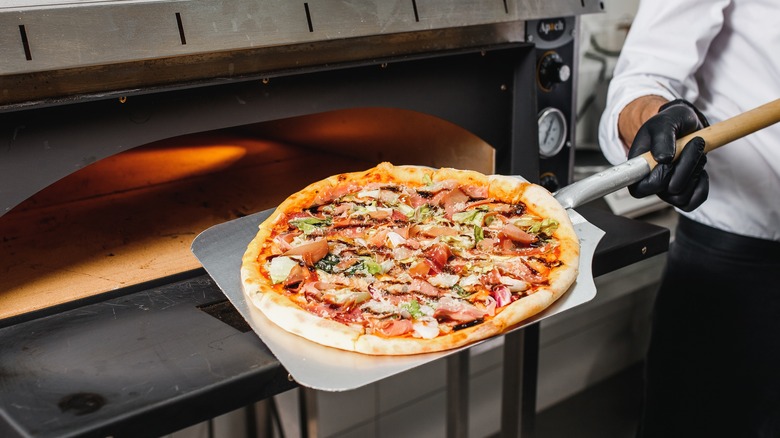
633 170
221 247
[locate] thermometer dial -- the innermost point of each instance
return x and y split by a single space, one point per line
552 132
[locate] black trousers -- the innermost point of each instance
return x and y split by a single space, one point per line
713 367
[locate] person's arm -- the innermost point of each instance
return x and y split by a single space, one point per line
683 183
666 46
635 114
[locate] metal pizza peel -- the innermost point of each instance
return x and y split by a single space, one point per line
220 250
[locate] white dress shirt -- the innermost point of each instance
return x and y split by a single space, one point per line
724 56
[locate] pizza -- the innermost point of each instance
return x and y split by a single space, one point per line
399 260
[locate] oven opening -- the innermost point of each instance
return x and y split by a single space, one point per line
130 218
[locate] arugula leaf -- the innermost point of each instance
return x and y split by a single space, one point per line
372 267
328 263
460 291
546 226
535 226
479 234
310 224
365 265
422 213
413 307
474 217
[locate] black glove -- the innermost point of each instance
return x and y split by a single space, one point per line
684 183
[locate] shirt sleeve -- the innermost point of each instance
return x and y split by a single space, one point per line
667 43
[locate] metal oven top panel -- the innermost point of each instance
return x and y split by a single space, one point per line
46 35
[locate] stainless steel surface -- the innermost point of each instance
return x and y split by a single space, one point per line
308 413
518 395
145 363
602 183
220 249
71 34
458 395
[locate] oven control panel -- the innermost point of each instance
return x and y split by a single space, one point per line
556 65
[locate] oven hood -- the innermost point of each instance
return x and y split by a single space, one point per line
57 49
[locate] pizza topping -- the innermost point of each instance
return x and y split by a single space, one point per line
516 234
413 309
426 327
513 284
298 275
310 224
468 324
444 280
393 327
310 252
345 299
279 268
411 262
423 287
457 310
502 295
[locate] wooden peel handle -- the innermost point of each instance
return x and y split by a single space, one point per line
729 130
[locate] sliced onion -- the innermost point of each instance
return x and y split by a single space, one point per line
513 284
502 295
395 239
426 328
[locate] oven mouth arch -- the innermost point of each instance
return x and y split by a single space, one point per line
488 93
130 218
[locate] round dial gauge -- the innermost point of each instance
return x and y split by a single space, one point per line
552 132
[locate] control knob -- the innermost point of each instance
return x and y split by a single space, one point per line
549 181
552 71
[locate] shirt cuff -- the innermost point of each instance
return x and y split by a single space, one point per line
623 91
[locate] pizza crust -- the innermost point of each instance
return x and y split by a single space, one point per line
379 345
286 314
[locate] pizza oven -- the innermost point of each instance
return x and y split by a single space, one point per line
130 127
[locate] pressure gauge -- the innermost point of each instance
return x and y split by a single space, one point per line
552 132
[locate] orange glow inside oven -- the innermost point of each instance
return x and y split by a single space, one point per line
131 218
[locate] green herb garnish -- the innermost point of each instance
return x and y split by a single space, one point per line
310 224
328 263
365 265
422 213
546 226
413 307
479 234
474 217
458 289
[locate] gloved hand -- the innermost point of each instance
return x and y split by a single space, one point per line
683 183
